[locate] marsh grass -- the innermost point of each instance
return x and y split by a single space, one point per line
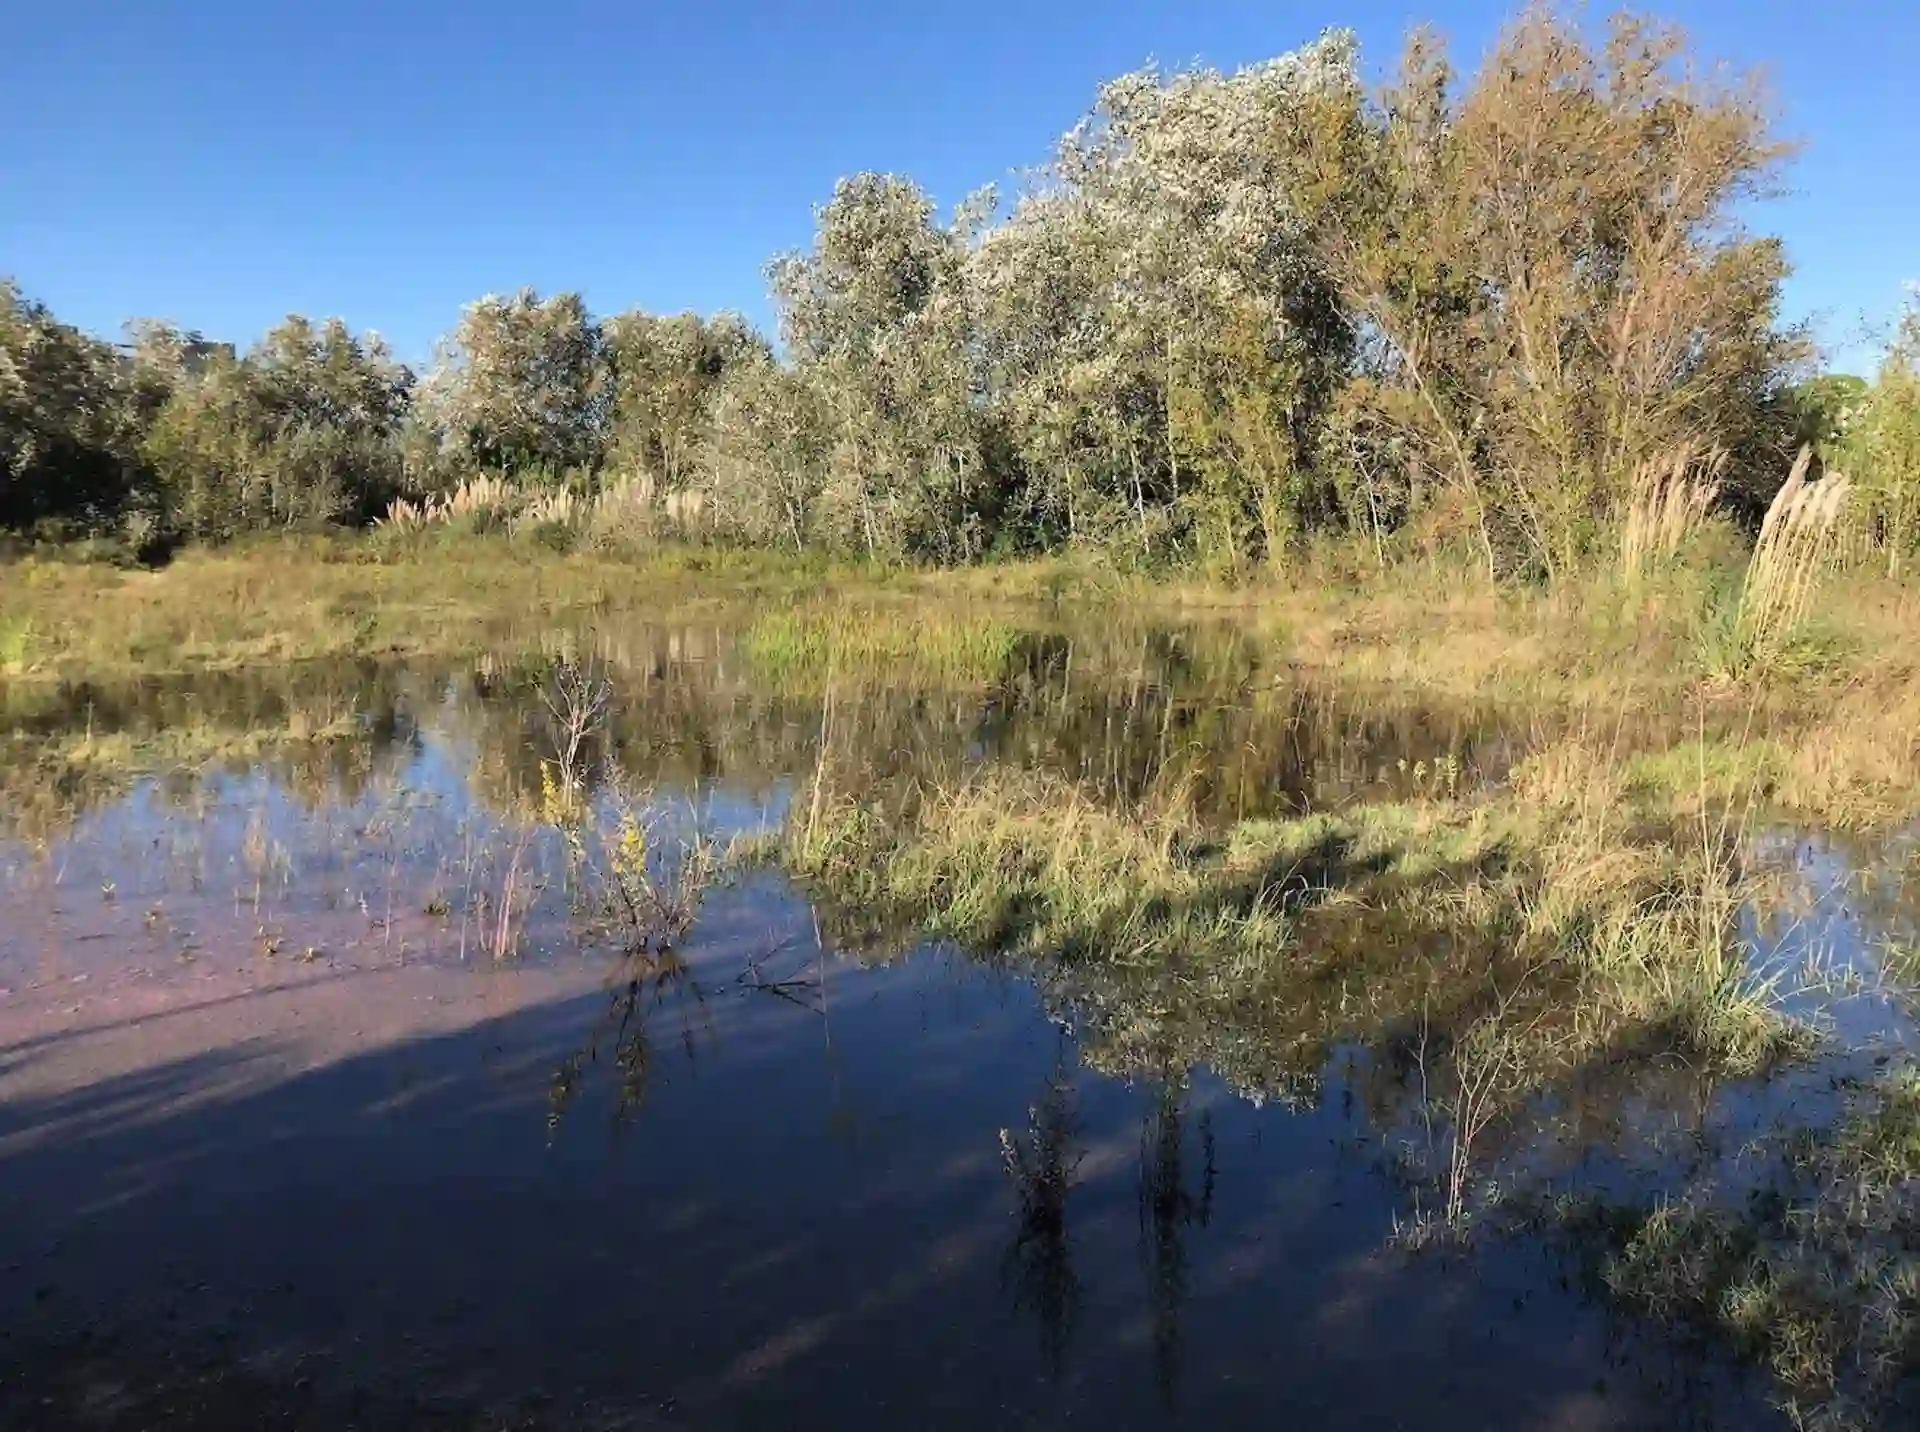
1654 941
286 599
16 646
506 905
1033 865
1816 1275
1489 953
1644 900
807 650
1840 681
1634 937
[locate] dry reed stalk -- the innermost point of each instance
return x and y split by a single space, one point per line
1798 541
405 516
479 498
625 507
1671 499
686 508
505 935
556 509
630 505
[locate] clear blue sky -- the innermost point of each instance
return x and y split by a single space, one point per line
222 162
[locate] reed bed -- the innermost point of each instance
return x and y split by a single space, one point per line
1673 498
1798 544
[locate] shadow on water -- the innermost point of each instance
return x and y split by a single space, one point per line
858 1215
318 1108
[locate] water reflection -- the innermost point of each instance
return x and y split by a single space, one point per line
651 982
345 1042
1171 1204
1043 1163
1129 717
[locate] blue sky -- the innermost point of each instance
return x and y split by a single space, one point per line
223 162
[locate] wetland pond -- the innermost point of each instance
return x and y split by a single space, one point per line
331 1094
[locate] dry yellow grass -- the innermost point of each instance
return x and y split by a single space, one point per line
1838 728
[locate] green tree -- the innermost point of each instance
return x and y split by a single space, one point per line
304 429
68 451
521 384
666 375
1546 274
1158 339
1879 446
875 318
764 465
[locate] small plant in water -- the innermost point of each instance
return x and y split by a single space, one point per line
651 888
578 697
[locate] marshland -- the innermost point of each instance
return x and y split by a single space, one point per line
1275 781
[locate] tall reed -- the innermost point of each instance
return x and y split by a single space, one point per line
1798 542
627 508
1671 498
559 508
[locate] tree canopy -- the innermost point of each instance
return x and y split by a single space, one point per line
1231 315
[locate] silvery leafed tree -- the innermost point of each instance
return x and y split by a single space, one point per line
520 388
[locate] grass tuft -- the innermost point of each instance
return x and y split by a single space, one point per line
807 650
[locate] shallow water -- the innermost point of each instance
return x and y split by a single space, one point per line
282 1142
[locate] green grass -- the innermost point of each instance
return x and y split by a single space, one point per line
1691 773
1881 1142
1816 1276
298 599
809 650
1619 939
16 646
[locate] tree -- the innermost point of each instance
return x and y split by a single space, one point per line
764 466
304 429
1879 446
1545 272
522 383
666 375
875 317
67 447
1157 333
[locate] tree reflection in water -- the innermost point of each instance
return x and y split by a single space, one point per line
1168 1207
1042 1161
651 981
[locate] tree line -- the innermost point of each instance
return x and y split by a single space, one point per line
1232 315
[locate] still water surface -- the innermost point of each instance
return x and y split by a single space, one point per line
283 1143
